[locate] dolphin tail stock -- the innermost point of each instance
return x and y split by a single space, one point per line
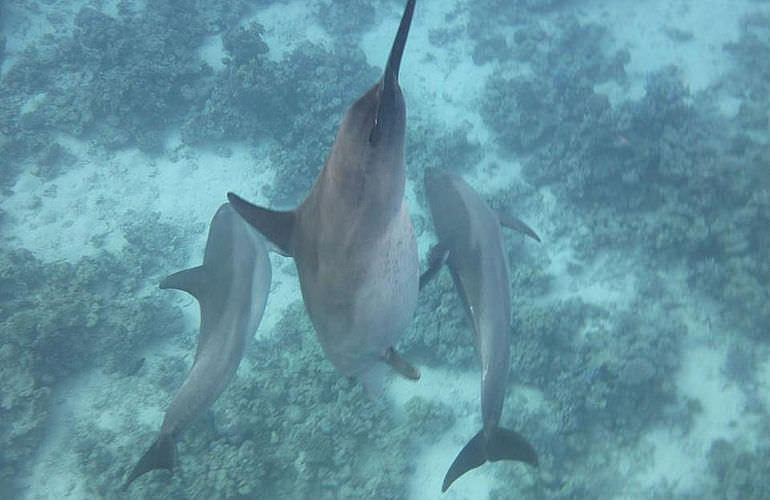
402 366
511 222
161 455
275 225
437 256
499 444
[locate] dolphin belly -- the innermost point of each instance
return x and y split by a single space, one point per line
358 315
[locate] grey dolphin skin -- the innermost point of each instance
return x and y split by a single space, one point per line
352 238
470 242
232 287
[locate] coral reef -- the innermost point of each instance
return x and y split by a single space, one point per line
346 20
740 473
245 43
440 334
64 318
665 179
657 171
538 110
119 80
293 429
288 102
431 146
122 80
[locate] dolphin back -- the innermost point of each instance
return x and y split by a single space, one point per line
469 242
231 287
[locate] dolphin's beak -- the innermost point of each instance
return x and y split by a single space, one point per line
390 94
397 50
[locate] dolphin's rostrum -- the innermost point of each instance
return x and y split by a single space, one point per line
351 238
232 287
470 243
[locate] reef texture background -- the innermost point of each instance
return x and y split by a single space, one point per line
654 209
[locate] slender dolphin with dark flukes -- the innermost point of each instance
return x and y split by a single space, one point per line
232 287
352 238
470 242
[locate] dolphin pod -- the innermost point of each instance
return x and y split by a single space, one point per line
351 238
232 287
470 243
355 251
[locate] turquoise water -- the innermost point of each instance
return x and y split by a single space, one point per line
633 137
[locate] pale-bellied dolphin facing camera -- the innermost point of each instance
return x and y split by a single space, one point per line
352 238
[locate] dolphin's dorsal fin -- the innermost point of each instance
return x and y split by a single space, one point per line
192 281
511 222
275 225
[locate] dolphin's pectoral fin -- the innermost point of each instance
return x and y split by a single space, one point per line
516 224
436 258
275 225
192 281
501 444
161 455
471 456
402 366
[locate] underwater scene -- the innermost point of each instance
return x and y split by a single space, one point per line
385 249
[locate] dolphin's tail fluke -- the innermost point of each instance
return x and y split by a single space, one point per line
497 444
161 455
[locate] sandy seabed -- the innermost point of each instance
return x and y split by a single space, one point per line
189 183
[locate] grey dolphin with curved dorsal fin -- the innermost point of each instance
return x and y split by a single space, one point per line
232 287
470 243
352 238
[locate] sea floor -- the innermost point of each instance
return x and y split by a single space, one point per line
59 219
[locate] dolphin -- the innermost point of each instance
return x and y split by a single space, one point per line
470 242
351 237
231 287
